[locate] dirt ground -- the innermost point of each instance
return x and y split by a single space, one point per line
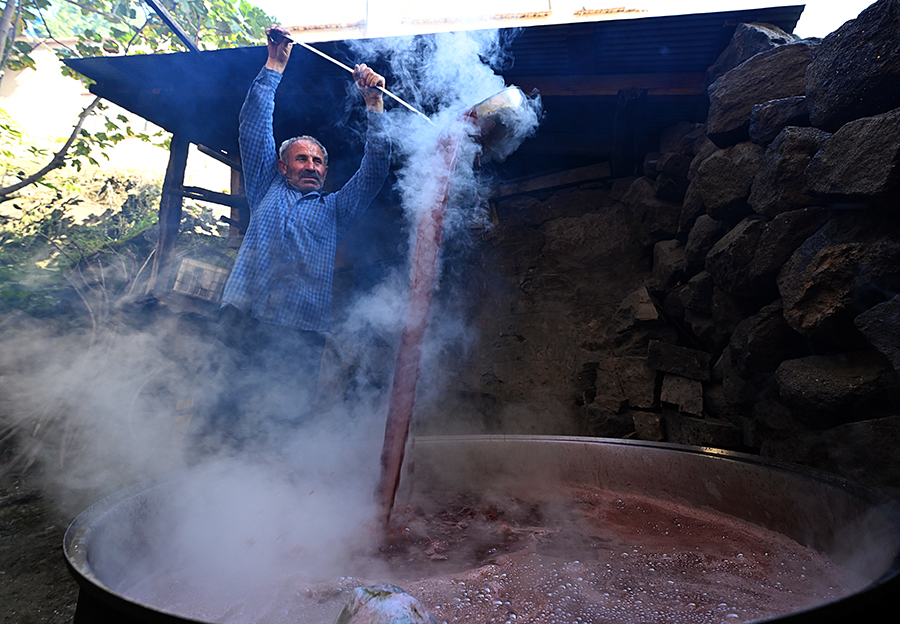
35 585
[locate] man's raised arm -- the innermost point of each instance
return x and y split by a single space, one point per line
258 151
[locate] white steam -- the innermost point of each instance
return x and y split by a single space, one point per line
444 75
113 405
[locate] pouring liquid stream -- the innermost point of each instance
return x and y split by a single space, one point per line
487 122
409 353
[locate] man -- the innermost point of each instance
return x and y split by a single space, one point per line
277 302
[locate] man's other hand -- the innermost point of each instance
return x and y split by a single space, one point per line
368 81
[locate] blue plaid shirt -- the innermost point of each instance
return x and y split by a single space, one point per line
284 270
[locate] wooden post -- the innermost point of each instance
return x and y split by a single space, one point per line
169 208
625 159
240 213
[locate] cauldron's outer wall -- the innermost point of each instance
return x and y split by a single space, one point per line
818 510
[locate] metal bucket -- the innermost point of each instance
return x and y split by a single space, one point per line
851 525
504 120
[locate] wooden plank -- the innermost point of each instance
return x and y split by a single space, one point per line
225 159
610 85
202 194
553 180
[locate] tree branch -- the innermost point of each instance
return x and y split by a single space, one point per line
59 159
86 7
50 34
8 21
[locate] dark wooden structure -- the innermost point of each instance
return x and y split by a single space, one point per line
607 88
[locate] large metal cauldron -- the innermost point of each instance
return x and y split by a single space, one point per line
853 526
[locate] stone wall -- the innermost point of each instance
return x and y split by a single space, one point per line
742 293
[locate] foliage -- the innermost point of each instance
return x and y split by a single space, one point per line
17 153
109 27
53 241
113 27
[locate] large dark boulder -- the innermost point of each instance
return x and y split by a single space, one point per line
855 71
703 149
780 238
692 208
738 394
779 184
680 138
669 358
777 73
702 304
859 161
880 324
770 118
831 389
729 310
672 176
836 272
866 452
761 342
682 429
698 294
729 258
705 233
724 180
748 40
620 382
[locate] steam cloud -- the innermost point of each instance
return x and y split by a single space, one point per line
443 75
113 402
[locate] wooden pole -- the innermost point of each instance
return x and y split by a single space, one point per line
169 208
425 257
625 159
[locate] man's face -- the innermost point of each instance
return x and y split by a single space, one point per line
303 166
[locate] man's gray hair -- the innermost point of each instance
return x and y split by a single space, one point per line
284 146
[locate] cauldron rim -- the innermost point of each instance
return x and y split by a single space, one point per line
881 591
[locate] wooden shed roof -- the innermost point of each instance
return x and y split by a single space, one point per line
578 68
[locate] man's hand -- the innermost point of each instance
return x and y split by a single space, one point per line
279 43
367 81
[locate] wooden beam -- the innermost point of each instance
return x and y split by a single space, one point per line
555 180
625 156
202 194
612 84
240 214
222 157
558 143
169 209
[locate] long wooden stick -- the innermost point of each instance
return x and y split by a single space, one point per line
350 69
409 353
